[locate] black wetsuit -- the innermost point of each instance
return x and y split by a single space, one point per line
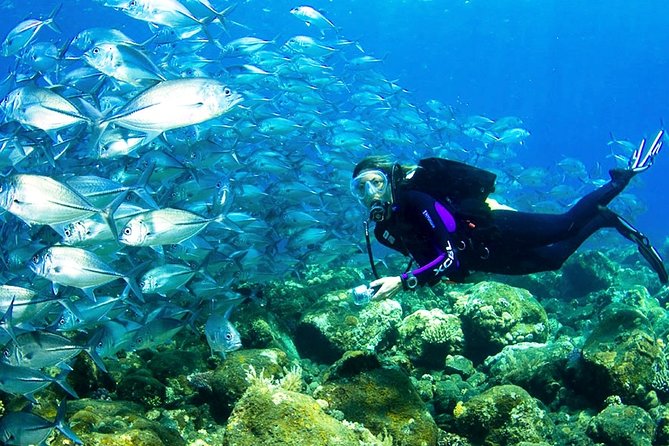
446 244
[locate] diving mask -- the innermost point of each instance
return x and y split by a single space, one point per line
369 185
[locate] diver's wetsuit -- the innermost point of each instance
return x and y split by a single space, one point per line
445 245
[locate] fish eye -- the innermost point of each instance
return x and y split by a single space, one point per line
127 231
227 92
5 353
96 50
35 258
67 233
141 284
61 321
228 336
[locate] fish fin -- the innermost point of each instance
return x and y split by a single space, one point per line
6 322
150 136
30 397
89 293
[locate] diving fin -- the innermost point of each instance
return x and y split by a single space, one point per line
643 244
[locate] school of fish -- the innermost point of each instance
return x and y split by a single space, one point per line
143 181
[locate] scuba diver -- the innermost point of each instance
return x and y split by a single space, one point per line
438 214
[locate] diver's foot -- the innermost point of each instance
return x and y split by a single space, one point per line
643 244
638 162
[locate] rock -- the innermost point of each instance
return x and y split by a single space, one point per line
460 365
383 400
619 356
495 315
335 325
586 272
270 415
229 381
117 423
172 363
503 415
428 336
352 363
621 425
142 387
449 390
538 368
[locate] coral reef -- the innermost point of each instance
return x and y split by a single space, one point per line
503 415
428 336
270 413
495 315
335 325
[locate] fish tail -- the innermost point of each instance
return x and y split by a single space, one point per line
108 213
60 423
140 189
62 382
132 285
91 349
50 22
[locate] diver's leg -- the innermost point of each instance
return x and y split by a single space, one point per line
552 256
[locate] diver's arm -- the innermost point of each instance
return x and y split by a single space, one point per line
442 224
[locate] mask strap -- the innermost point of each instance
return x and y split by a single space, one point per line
369 251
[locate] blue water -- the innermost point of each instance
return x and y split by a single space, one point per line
574 71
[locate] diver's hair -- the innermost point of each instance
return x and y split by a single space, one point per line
385 164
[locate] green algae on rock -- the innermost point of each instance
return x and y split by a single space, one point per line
269 414
495 315
621 425
383 400
503 415
229 381
586 272
620 356
538 368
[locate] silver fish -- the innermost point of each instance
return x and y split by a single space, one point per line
23 428
26 381
38 199
312 17
173 104
39 349
221 335
166 278
163 227
25 32
41 108
123 63
76 267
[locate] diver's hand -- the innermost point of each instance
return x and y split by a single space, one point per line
389 286
638 162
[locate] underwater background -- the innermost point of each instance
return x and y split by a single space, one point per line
254 338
